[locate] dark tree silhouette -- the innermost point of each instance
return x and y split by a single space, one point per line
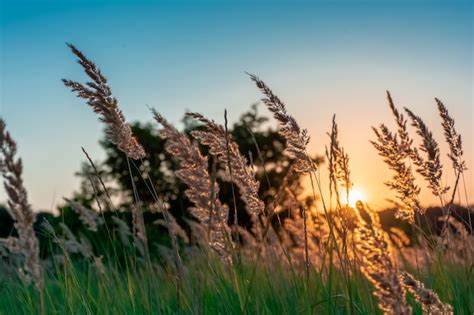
257 140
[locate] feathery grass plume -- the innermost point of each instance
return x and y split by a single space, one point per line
342 221
455 144
99 96
429 300
227 152
123 229
339 172
193 172
452 138
456 240
73 245
397 149
374 250
331 166
403 181
431 168
405 141
332 175
457 225
88 217
82 246
297 139
27 244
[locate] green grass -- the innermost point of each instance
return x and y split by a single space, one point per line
208 287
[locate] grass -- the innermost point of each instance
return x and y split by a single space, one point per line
336 260
210 288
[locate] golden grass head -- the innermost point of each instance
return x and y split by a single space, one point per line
428 299
99 97
202 190
27 244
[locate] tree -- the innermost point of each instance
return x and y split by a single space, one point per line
262 146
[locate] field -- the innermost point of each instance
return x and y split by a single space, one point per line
236 250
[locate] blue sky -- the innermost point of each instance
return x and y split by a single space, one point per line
319 57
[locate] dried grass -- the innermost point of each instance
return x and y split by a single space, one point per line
396 150
227 152
374 250
308 238
26 244
89 217
202 191
99 96
428 299
296 138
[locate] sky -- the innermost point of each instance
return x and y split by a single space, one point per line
320 58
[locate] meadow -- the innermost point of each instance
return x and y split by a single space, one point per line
333 255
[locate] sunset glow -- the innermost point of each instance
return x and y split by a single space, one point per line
326 42
354 196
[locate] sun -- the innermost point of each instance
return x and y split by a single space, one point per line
354 196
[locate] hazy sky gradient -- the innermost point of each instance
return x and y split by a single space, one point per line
320 58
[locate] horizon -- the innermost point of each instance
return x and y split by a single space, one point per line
319 59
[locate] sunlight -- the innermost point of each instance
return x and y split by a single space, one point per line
354 196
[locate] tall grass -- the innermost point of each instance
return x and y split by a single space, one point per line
329 258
